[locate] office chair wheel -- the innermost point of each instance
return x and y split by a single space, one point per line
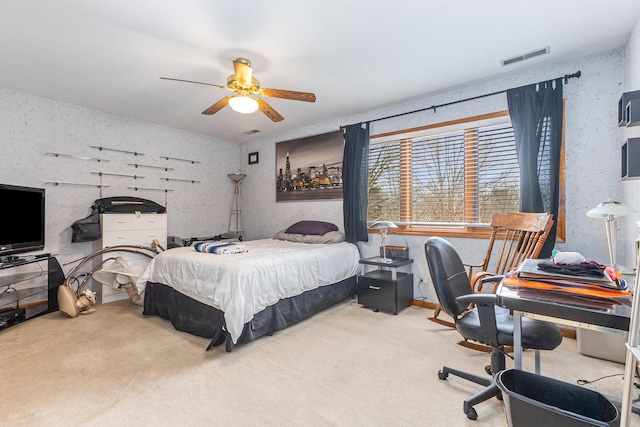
487 369
443 375
472 414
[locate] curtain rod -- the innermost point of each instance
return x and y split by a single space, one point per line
566 78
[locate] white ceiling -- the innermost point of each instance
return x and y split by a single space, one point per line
355 55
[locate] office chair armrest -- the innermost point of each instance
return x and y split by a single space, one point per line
485 305
484 299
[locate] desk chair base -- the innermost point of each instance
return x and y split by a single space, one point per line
490 390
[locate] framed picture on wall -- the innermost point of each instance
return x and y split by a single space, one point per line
253 158
310 168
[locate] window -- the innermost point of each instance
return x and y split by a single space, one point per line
454 174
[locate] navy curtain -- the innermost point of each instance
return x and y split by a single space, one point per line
536 116
355 172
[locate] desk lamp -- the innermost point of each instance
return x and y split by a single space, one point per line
610 210
384 226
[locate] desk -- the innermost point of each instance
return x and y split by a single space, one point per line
564 309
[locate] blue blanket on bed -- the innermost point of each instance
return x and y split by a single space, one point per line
220 247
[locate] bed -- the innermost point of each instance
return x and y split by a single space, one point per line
237 297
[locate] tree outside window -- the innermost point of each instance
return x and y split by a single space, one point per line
445 177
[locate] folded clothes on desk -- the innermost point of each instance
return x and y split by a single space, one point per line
527 275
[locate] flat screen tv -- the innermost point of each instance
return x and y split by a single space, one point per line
22 225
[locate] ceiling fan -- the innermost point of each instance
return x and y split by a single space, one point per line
246 86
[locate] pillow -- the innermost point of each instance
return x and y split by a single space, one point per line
330 237
312 227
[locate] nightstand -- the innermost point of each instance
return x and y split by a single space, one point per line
385 288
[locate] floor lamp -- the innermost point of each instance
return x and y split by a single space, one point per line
610 210
235 220
384 226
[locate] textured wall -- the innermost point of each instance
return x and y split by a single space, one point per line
592 154
32 126
631 187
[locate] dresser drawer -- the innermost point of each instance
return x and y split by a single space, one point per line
111 222
134 237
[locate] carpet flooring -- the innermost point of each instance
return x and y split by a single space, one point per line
346 366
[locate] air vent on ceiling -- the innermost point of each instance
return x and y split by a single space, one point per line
251 132
525 56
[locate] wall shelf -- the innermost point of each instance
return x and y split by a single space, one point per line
166 190
193 181
623 103
71 156
632 113
77 184
181 160
101 148
630 157
117 174
138 165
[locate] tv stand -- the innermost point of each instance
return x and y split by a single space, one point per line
15 259
28 287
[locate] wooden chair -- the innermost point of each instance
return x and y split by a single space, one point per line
514 238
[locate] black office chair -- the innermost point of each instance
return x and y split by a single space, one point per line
484 323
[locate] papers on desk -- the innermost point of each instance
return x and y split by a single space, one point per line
528 275
529 269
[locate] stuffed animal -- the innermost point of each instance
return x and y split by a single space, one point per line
72 305
86 302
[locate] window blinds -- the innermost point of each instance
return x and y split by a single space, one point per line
455 177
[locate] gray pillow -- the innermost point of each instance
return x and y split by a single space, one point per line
312 227
330 237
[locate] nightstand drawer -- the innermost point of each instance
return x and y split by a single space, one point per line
379 291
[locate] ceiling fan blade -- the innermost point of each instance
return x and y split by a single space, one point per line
217 106
191 81
269 111
288 94
243 71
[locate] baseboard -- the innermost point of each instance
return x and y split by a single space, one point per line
425 304
566 332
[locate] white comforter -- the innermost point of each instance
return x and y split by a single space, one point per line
242 285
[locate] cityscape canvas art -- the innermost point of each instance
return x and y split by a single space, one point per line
310 168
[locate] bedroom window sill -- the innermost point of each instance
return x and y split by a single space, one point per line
463 232
460 232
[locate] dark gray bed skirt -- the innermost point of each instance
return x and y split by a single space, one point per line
194 317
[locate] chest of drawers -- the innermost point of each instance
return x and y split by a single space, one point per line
130 229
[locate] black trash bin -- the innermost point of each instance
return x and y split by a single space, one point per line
534 400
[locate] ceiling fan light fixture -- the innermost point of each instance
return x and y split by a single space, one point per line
244 84
243 104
